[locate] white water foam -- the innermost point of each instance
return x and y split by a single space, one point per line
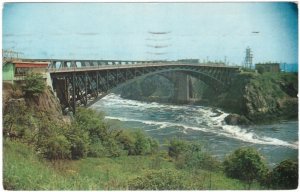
194 117
230 131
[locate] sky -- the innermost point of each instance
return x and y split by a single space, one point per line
121 31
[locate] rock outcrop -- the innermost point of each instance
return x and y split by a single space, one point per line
44 106
235 119
260 98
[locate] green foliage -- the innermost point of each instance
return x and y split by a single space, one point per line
24 170
88 135
144 145
112 147
99 133
97 150
127 140
56 147
79 140
285 175
177 147
190 155
34 84
163 179
15 120
91 122
245 164
106 141
137 143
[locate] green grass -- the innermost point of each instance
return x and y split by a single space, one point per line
24 170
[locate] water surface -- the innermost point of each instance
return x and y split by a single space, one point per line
276 142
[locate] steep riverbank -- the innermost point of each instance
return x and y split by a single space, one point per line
27 113
260 98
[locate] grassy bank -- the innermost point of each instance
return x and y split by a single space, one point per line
24 170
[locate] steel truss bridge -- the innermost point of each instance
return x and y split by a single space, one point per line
83 82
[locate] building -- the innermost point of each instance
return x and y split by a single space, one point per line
190 61
267 67
17 70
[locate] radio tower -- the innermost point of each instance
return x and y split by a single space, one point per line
248 58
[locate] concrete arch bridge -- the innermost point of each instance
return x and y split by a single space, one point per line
83 82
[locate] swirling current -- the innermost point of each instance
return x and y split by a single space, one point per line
275 142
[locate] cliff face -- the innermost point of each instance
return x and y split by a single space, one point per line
261 97
19 109
46 104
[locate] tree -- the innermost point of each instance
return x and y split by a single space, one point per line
285 175
34 84
245 164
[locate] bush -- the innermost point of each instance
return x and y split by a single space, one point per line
177 147
245 164
285 175
15 119
56 147
137 143
97 150
112 147
34 84
127 140
80 141
163 179
191 156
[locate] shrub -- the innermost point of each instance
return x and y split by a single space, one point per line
127 140
137 143
177 147
201 160
15 119
245 164
191 156
79 140
34 84
112 147
97 150
285 175
56 147
163 179
141 144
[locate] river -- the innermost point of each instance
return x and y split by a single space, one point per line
276 142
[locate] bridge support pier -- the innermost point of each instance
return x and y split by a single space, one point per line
182 86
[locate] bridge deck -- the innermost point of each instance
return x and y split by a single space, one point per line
128 66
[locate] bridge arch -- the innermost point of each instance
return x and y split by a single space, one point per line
85 87
206 78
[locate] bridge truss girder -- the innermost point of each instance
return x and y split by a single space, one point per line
83 88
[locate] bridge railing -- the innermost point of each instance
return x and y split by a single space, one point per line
122 66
